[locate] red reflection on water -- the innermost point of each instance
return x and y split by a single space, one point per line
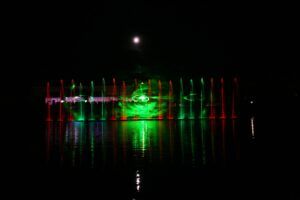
48 138
171 134
80 144
235 139
61 141
160 141
223 138
114 141
212 123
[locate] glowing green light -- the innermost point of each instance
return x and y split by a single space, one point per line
142 98
141 106
141 133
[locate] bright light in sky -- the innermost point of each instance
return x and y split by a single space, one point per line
136 40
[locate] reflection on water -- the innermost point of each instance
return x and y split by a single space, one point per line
104 144
252 127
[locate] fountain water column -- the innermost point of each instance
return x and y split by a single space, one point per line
192 100
181 113
212 114
81 104
223 115
114 94
123 111
234 97
72 88
203 110
61 94
92 112
48 103
160 114
103 104
170 106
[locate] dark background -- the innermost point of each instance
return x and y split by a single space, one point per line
253 41
84 41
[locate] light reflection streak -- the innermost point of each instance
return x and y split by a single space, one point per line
138 181
92 142
171 135
223 138
252 127
203 126
96 144
213 137
193 145
182 140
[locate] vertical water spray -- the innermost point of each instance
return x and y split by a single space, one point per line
192 100
81 104
103 104
160 114
114 93
48 96
203 111
72 94
212 113
233 99
223 114
123 108
61 94
181 113
91 100
170 106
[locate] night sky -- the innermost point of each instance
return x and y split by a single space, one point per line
86 42
90 41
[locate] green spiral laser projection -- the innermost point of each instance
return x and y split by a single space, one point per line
142 106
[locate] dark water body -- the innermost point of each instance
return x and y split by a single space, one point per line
176 159
142 144
146 159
